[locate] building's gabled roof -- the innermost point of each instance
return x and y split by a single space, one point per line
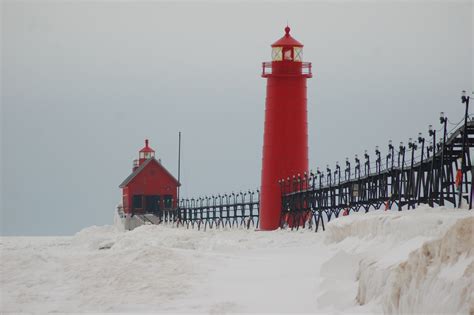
141 167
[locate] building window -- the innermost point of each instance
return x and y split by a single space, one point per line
137 202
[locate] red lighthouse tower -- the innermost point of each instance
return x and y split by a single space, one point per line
285 140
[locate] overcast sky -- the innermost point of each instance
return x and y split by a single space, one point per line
84 83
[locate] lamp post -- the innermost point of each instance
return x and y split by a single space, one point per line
389 155
392 151
329 182
378 160
300 182
432 133
427 191
433 186
357 167
465 100
413 146
338 171
367 163
281 182
421 140
402 154
328 176
348 169
305 181
442 120
313 180
320 177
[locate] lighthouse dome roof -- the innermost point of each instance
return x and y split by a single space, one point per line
146 148
287 40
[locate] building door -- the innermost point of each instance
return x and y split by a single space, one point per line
152 203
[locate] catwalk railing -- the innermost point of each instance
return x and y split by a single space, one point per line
442 173
221 211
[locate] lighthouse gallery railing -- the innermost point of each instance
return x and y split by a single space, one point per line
290 69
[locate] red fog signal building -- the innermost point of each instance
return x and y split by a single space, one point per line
150 187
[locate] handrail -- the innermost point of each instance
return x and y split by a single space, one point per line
434 180
286 69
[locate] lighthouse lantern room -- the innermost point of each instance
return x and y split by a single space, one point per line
150 187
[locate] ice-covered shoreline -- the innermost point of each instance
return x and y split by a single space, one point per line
413 261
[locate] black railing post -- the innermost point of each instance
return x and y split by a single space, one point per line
443 120
412 145
348 169
392 151
421 173
357 167
465 100
400 187
432 133
367 163
378 161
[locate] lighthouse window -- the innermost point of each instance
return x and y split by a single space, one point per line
298 53
276 54
142 155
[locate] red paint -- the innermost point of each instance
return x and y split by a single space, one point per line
151 179
285 141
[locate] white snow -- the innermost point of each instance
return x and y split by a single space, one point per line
416 261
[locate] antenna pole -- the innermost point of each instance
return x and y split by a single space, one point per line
179 167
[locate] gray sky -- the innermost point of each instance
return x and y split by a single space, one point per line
84 83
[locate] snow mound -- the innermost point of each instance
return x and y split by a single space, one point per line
436 278
418 261
95 237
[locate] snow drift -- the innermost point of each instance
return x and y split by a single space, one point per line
417 261
413 262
